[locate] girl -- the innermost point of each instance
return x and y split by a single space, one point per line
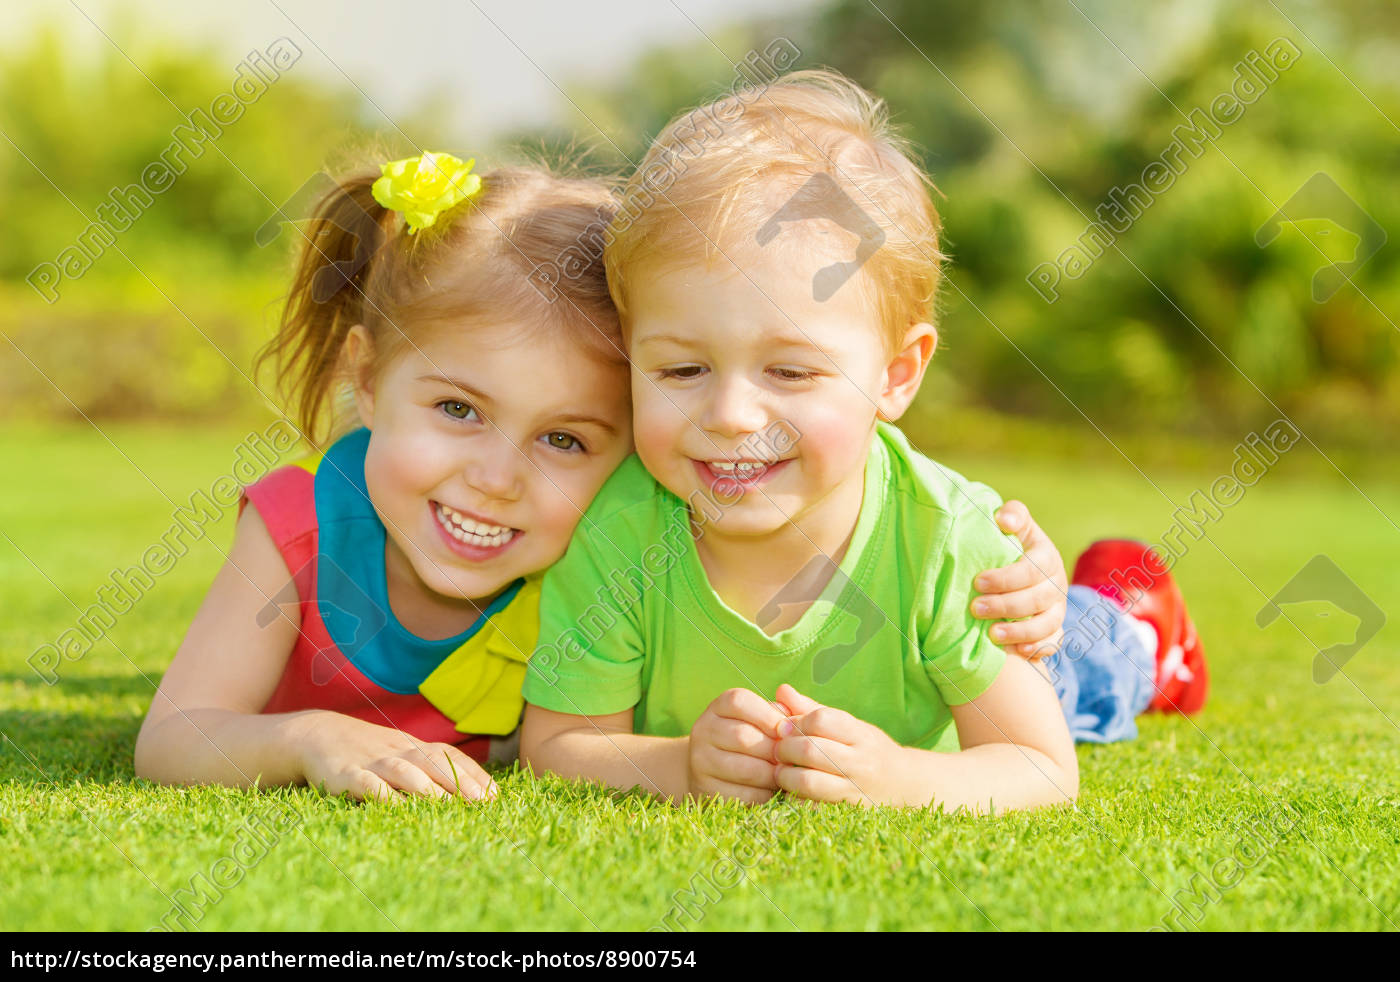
369 632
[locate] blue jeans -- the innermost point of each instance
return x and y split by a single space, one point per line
1103 672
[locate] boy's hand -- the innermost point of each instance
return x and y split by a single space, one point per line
345 755
826 754
731 748
1033 588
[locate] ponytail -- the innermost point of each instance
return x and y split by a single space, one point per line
328 297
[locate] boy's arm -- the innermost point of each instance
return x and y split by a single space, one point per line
728 753
1017 753
1017 749
604 748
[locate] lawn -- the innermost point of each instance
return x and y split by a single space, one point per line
1277 807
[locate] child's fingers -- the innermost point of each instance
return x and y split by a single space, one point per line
365 785
455 772
1034 651
742 769
824 721
405 776
1040 597
742 738
820 753
817 785
796 703
1014 517
739 792
1038 628
1007 579
748 707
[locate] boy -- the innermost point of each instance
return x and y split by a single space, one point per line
772 537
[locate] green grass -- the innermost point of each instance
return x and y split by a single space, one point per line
83 844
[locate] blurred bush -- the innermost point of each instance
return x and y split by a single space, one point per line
1027 117
166 320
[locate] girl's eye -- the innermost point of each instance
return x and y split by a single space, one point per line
792 374
457 410
563 441
684 372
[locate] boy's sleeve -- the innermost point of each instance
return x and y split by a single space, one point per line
589 658
959 655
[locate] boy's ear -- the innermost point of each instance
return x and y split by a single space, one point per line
359 365
905 372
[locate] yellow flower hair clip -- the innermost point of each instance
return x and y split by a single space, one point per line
421 188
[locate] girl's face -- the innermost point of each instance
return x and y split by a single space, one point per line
486 447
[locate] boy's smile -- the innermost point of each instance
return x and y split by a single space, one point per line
734 478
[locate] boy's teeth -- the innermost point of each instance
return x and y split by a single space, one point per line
743 466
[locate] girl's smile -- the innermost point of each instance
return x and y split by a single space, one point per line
472 536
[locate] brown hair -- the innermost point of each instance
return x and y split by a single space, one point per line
729 165
359 265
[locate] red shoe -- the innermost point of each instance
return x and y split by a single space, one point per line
1134 576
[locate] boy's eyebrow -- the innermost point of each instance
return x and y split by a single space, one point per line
781 341
668 339
480 396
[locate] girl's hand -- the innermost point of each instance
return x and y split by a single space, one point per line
731 748
826 754
1032 588
344 755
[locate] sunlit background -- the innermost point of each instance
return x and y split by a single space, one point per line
1029 115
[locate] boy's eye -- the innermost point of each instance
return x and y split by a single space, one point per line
792 374
682 372
563 441
457 410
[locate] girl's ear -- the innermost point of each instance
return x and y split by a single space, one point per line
905 372
359 363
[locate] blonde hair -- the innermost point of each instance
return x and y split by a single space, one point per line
359 265
723 169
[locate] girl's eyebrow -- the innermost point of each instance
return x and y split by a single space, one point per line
457 384
480 396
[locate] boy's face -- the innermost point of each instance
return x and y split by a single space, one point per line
731 366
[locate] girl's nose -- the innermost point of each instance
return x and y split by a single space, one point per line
734 409
497 472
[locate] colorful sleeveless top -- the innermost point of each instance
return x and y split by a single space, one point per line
353 656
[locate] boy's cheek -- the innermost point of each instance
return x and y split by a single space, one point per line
657 435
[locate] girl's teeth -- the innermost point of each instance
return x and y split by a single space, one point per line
472 532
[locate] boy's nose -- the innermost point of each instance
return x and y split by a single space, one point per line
734 409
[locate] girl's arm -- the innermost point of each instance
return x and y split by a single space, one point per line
1017 753
204 725
1030 594
728 752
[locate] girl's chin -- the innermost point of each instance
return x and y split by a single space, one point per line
468 589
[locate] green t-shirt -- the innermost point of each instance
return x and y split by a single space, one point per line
628 617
